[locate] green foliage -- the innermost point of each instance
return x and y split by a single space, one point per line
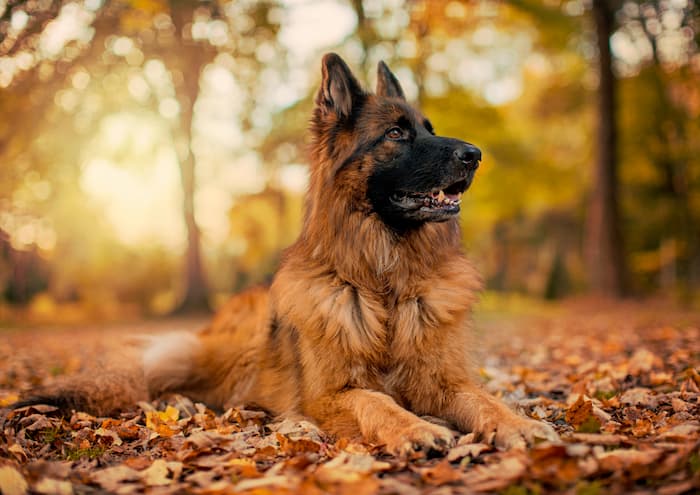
694 463
588 488
591 425
530 489
605 394
75 454
49 435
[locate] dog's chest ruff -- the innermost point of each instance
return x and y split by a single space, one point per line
370 326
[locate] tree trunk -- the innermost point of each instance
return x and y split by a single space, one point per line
603 245
195 298
189 63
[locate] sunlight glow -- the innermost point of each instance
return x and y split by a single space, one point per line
71 24
136 213
310 25
294 177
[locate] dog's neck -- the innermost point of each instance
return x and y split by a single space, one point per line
354 243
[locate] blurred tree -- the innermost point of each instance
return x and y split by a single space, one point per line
604 251
185 35
661 154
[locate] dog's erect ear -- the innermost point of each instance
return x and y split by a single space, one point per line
387 84
339 88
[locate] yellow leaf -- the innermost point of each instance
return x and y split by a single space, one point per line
8 399
170 414
155 419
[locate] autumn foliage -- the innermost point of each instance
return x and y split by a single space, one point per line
620 384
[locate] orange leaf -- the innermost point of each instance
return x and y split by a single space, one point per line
440 474
293 447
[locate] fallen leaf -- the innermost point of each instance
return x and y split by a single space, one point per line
294 447
138 463
552 464
51 486
12 482
276 482
469 449
627 459
683 432
580 416
247 468
643 360
161 473
113 478
495 477
440 474
19 453
639 396
112 435
597 439
348 467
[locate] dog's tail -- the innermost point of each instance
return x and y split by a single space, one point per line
216 365
149 367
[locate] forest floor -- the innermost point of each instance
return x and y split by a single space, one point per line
619 382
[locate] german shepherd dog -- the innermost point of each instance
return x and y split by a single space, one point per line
365 327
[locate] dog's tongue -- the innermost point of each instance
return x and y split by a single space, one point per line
439 196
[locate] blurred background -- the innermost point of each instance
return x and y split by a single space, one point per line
153 152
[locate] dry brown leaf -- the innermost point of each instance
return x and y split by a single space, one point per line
161 473
112 435
580 416
51 486
642 361
113 478
497 476
246 468
638 396
626 459
18 452
12 482
294 447
468 449
269 482
440 474
129 432
597 438
680 488
348 467
552 463
138 463
682 432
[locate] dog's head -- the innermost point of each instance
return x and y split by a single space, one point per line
385 152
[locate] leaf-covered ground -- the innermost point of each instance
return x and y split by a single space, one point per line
621 384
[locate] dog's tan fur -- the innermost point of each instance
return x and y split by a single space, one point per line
362 330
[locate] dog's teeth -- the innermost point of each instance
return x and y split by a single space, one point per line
441 196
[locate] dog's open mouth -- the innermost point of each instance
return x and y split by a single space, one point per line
444 200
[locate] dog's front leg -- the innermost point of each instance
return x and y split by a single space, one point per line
474 410
380 419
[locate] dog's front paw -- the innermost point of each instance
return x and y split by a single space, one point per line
421 437
519 432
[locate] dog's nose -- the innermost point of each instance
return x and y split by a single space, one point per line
468 154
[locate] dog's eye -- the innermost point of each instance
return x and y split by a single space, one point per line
394 133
